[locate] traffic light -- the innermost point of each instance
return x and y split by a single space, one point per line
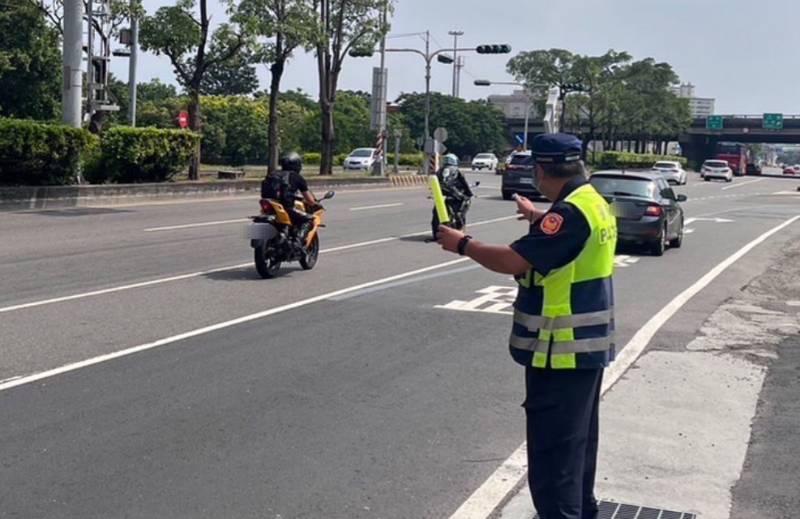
442 58
493 49
361 53
483 82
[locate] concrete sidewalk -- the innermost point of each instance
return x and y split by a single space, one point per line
676 429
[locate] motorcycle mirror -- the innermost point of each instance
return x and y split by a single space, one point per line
477 183
328 195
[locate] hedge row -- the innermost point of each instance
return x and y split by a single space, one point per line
619 159
37 154
132 155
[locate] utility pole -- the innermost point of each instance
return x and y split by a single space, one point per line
379 168
455 35
132 66
72 87
459 66
427 84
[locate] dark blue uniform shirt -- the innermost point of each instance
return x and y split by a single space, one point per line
556 238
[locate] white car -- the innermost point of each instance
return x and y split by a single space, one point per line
360 159
485 161
718 169
671 171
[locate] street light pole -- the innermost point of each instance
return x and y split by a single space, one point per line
427 83
72 86
132 65
455 35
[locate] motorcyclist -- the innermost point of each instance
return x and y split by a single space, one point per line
283 186
454 184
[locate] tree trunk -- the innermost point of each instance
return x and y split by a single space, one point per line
328 138
274 92
196 126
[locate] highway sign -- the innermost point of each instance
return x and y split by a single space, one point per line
714 122
520 138
773 121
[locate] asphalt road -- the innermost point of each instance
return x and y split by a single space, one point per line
376 385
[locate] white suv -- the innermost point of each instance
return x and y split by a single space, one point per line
484 160
718 169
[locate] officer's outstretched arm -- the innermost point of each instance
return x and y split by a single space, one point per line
498 258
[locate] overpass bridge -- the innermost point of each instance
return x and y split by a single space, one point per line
699 141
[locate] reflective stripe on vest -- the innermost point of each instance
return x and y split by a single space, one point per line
554 331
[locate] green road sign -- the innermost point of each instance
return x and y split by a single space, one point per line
714 122
773 121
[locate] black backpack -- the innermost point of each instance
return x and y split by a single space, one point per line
277 186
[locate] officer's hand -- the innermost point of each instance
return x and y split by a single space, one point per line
526 209
448 238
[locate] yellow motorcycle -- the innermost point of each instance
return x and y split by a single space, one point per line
274 238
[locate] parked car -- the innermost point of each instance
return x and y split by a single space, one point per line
718 169
360 159
648 210
792 170
484 161
671 171
518 176
754 169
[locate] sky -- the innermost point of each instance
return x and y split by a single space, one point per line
744 53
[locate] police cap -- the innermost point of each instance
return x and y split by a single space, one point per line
556 148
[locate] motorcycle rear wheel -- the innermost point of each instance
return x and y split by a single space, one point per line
267 264
309 259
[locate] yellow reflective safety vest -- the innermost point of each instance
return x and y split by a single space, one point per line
565 320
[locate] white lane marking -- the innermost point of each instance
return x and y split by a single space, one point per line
404 282
381 206
740 184
192 225
489 496
118 289
219 326
191 275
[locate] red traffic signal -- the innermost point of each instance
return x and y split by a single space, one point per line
493 49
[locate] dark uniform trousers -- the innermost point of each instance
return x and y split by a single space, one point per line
561 407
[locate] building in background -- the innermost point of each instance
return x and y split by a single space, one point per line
513 105
699 106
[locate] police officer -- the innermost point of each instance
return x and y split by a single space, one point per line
563 323
284 185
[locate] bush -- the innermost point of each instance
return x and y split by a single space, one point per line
92 161
413 160
620 159
312 159
38 154
131 155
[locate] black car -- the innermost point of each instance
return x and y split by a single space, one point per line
648 210
753 169
518 177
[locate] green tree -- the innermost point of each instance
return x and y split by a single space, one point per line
543 69
120 13
186 39
236 76
473 127
597 76
30 64
155 90
287 25
339 25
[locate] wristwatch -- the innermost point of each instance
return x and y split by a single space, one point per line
462 244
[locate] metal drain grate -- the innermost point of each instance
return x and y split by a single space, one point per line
610 510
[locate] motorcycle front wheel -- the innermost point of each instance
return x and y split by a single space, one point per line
266 260
309 259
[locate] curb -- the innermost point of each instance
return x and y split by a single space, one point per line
25 198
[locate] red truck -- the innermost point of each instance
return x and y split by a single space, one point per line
736 155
